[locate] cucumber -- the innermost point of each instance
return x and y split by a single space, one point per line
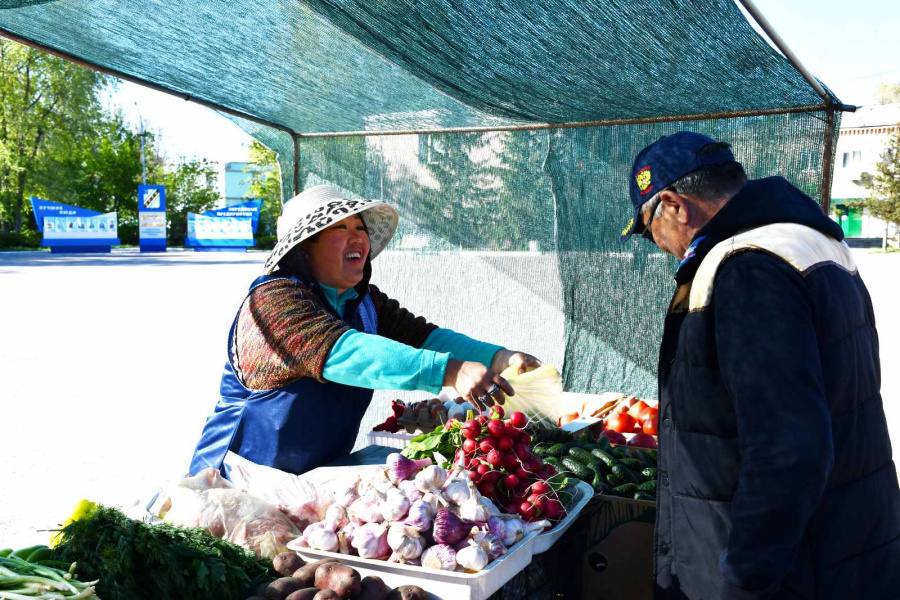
598 484
633 464
625 473
645 458
621 452
580 454
556 450
596 465
614 480
604 456
649 473
603 443
577 468
626 490
551 460
639 495
539 450
648 486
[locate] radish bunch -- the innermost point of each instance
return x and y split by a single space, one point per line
496 453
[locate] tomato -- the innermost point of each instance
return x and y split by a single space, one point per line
650 427
648 412
518 419
621 422
636 408
566 419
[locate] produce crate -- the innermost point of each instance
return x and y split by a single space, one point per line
398 441
440 585
545 540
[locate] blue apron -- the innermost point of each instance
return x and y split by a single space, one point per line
294 428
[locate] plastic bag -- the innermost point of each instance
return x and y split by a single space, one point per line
538 394
212 503
304 502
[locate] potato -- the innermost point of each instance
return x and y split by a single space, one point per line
372 588
281 588
408 592
327 595
286 563
304 594
307 574
340 578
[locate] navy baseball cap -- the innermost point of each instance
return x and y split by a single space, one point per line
664 162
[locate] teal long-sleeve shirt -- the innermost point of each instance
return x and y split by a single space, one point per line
375 362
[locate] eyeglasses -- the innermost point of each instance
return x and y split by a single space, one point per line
646 233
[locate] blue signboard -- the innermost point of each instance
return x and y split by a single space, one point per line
222 229
250 208
74 229
152 217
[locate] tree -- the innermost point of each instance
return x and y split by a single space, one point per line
265 186
884 202
888 93
46 104
190 187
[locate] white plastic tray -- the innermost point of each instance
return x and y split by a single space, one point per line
399 440
440 585
544 541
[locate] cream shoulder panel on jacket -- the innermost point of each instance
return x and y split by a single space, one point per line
802 247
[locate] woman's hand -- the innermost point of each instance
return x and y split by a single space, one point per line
478 384
503 359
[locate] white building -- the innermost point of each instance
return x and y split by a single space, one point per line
864 137
238 177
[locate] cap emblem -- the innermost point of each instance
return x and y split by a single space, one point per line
643 178
628 227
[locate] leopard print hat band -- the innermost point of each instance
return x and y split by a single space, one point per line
314 209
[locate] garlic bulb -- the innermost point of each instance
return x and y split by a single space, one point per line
322 539
515 531
380 482
345 495
456 489
430 479
395 505
370 541
400 468
335 517
419 516
345 538
448 528
366 509
405 541
497 526
439 556
409 488
472 559
472 508
490 543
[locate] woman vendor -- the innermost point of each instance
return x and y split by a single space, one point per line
313 339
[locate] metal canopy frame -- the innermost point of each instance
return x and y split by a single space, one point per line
828 106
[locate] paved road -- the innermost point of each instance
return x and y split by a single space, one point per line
109 363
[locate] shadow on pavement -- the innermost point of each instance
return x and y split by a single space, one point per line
128 257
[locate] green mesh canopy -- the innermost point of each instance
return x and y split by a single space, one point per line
503 132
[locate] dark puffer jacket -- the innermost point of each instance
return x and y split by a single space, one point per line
775 478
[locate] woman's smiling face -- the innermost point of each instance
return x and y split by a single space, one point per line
338 255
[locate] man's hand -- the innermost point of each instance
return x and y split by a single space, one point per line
478 384
503 359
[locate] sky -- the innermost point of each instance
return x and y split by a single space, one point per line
850 46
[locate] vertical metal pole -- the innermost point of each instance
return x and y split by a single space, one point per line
827 164
143 159
296 163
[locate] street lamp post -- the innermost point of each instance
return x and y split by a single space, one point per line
143 159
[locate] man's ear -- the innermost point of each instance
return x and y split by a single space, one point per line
678 204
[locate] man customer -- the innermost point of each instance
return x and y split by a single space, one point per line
775 470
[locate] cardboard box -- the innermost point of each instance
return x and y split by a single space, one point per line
618 561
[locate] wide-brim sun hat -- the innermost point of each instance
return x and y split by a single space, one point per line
316 208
